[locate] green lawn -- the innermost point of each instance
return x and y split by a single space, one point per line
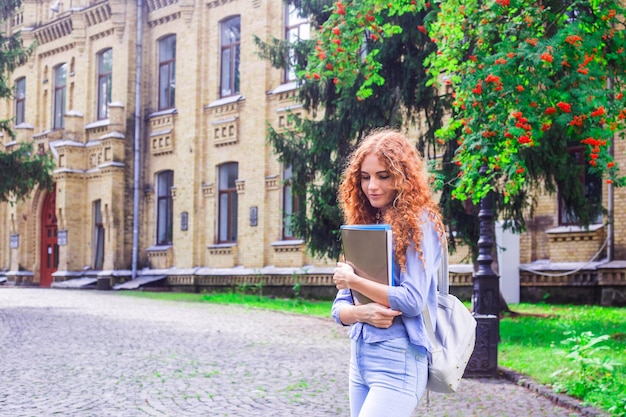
297 306
531 343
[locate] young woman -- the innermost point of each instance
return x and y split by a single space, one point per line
384 182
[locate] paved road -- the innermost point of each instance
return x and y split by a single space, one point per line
95 354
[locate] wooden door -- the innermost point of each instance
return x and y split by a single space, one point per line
49 244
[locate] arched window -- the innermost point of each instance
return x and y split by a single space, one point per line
230 31
297 28
227 200
292 204
165 217
167 72
591 184
60 93
105 75
20 100
98 235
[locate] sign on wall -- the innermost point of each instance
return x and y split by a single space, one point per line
14 241
184 221
254 216
62 237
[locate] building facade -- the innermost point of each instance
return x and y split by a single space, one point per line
192 108
157 120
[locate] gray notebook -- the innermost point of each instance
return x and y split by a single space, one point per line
368 249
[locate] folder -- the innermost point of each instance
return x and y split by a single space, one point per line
368 248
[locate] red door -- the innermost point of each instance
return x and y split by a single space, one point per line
49 244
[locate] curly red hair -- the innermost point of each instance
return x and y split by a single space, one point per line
408 179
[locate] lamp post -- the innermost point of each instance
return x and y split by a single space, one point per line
485 298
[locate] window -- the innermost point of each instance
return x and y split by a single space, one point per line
98 236
227 210
291 204
20 100
592 186
165 218
105 72
230 36
297 28
167 72
60 78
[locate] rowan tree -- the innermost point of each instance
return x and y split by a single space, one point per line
530 82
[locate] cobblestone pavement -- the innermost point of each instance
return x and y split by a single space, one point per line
91 353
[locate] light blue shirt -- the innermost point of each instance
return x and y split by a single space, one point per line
413 289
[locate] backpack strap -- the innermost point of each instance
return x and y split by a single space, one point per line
443 287
443 281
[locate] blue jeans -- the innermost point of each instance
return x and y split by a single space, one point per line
386 378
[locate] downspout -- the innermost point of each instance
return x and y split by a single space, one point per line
610 234
137 141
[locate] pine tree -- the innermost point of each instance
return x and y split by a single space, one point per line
317 147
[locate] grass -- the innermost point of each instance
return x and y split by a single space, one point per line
535 343
554 345
290 305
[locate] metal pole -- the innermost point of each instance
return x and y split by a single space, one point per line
137 141
485 298
609 227
610 208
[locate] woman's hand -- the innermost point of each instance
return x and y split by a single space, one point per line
344 275
376 314
346 279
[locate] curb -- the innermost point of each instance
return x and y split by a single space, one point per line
544 391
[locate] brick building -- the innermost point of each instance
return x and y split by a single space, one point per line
184 97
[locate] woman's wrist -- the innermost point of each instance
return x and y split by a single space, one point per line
354 279
349 314
356 313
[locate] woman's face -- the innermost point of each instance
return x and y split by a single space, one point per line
376 182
